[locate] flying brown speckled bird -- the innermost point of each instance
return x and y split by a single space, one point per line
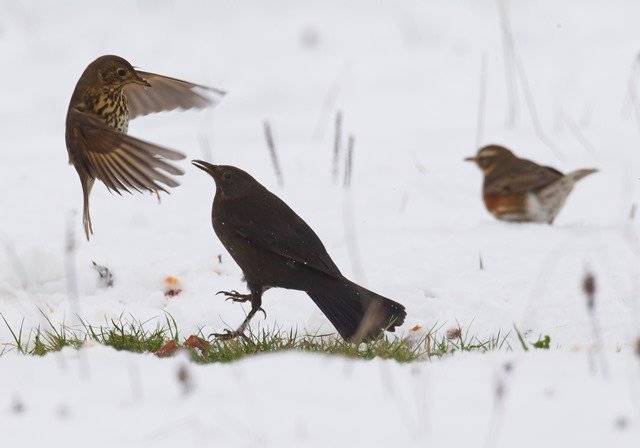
109 93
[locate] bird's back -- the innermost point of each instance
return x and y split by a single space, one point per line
520 176
268 239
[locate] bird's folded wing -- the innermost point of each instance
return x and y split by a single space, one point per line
271 224
168 94
119 160
528 176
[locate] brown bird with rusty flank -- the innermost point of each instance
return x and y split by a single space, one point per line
519 190
109 93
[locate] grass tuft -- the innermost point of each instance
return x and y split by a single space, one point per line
164 340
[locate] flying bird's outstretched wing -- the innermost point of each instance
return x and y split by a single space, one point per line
119 160
168 94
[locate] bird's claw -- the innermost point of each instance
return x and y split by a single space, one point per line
235 296
238 299
263 312
233 292
228 335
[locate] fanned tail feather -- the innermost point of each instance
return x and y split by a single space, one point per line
357 313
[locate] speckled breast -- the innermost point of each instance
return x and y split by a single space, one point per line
114 110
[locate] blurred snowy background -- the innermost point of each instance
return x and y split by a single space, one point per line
407 77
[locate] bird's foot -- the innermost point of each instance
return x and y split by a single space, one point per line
235 296
228 335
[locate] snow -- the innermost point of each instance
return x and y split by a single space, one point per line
549 399
406 75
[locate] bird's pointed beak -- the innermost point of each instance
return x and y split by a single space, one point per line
143 82
206 167
471 159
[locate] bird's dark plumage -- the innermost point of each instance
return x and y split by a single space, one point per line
276 248
109 93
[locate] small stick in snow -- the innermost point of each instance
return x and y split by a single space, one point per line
272 150
515 69
631 98
499 398
480 261
185 379
633 92
577 133
482 99
403 202
589 289
509 66
337 141
348 166
135 380
72 287
17 407
585 118
330 100
351 237
25 283
533 112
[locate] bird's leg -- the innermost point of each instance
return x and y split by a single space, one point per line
235 296
87 184
256 305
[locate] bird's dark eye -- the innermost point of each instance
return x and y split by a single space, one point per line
121 72
226 176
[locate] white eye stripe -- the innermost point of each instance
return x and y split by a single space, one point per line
487 154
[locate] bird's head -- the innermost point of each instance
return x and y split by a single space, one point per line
231 182
490 157
114 73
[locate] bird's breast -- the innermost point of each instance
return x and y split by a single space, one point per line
505 205
112 107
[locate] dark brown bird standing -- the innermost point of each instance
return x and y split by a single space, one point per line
276 248
109 93
519 190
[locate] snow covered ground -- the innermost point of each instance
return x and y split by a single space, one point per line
406 75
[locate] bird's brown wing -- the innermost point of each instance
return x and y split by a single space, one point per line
168 94
119 160
266 221
522 177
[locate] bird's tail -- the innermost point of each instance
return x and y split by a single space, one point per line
357 313
576 175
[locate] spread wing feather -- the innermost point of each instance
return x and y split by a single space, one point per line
168 94
119 160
